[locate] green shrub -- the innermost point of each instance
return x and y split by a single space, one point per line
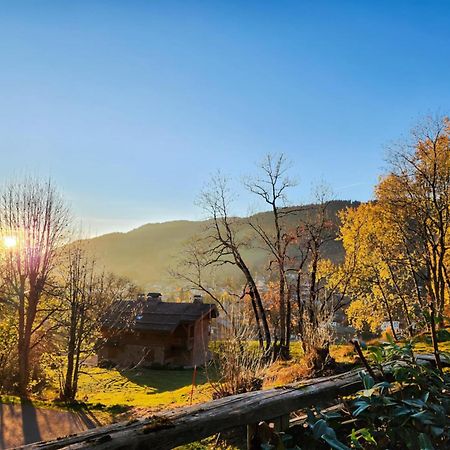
407 408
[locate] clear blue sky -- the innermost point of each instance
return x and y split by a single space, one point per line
130 105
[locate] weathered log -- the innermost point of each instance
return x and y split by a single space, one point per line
185 425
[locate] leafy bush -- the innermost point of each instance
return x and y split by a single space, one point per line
407 408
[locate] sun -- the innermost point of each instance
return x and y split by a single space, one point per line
9 241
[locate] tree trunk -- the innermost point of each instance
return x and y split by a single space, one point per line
255 294
282 313
434 339
27 316
67 393
21 348
258 324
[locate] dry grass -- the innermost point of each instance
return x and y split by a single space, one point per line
286 372
343 353
237 366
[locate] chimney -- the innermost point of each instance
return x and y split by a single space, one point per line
197 298
154 297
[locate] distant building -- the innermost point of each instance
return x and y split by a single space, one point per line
386 326
150 332
342 333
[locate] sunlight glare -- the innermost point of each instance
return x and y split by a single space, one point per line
10 241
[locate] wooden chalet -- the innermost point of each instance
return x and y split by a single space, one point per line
150 332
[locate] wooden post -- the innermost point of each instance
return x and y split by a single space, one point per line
193 383
251 431
281 423
285 422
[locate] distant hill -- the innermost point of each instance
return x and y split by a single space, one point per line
146 254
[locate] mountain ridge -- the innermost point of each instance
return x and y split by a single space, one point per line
146 253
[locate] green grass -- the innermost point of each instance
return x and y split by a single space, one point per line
210 443
111 389
423 343
141 387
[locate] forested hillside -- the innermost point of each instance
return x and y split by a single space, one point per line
146 254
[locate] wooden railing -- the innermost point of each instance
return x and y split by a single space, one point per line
185 425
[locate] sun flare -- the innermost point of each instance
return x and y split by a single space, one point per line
9 241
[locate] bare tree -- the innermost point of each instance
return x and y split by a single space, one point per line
194 265
83 303
223 246
87 295
34 222
272 185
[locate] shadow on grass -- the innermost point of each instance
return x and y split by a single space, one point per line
164 380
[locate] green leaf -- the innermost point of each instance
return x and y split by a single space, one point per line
367 380
334 443
436 431
319 428
360 409
267 447
367 435
332 415
425 442
383 385
415 402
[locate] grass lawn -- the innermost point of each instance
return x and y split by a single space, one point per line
424 346
142 387
158 389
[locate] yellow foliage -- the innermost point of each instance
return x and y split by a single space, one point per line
361 314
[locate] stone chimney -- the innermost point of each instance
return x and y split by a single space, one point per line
154 297
197 298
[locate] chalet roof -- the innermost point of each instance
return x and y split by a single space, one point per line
153 315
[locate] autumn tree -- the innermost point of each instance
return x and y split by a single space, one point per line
404 247
34 222
320 285
416 194
382 286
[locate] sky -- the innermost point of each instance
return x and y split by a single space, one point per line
131 106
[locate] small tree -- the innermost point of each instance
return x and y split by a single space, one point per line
87 295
